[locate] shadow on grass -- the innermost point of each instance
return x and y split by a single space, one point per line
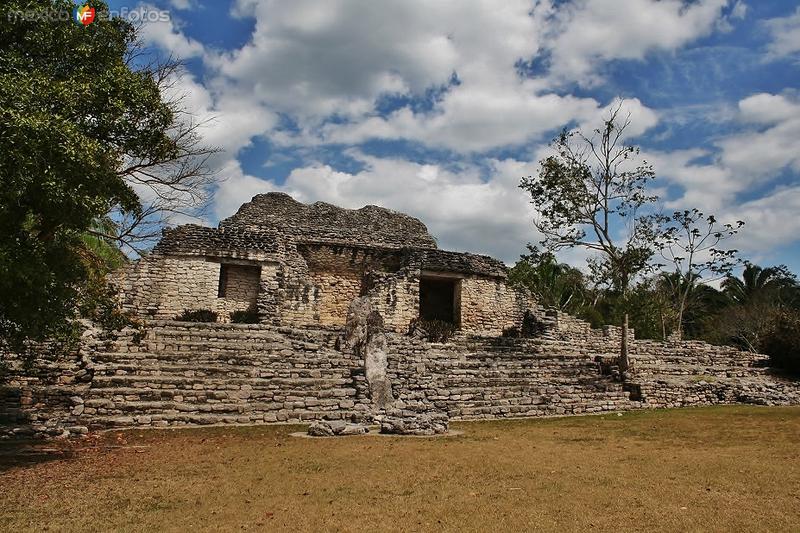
19 453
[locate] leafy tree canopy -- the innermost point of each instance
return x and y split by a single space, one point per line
81 128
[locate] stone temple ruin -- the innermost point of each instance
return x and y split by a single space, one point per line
338 296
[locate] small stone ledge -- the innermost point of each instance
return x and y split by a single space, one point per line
335 428
405 422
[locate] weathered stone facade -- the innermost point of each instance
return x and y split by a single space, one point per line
303 264
336 291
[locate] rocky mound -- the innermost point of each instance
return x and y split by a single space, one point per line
323 222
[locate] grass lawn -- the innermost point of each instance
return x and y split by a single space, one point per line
710 469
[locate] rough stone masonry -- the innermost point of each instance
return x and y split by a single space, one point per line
336 292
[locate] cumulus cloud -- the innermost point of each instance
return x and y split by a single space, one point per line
585 33
771 221
314 61
716 181
163 33
772 146
785 33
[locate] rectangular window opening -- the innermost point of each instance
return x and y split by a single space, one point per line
223 280
439 299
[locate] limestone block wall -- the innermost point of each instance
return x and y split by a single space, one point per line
395 296
240 291
324 278
163 286
490 305
334 293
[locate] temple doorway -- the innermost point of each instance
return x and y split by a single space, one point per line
439 299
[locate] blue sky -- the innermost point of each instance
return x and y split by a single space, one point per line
439 108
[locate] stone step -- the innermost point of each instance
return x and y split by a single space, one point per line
167 381
182 419
543 389
476 370
200 358
149 406
145 372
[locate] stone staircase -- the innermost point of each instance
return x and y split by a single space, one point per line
496 378
221 374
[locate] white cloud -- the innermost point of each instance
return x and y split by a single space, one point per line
163 33
769 148
785 33
182 5
771 221
312 61
768 143
584 34
472 118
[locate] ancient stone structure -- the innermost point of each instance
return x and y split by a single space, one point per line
336 292
302 265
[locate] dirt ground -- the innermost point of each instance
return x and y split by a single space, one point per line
709 469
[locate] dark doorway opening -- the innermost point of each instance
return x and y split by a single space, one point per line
438 298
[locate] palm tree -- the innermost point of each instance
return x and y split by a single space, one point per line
554 284
760 285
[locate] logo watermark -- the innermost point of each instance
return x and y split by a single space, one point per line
86 14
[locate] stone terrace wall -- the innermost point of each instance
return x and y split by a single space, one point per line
478 378
183 373
676 374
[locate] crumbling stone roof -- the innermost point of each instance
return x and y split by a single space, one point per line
465 263
193 239
326 223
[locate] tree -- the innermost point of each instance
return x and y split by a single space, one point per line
554 284
86 132
691 244
698 301
591 189
776 284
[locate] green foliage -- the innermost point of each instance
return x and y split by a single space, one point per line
554 284
250 316
757 284
197 315
432 330
783 342
691 243
76 120
592 185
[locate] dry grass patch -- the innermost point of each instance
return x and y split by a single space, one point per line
719 469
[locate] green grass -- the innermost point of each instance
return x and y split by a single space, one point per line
709 469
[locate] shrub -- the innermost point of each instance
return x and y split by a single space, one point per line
531 327
197 315
512 332
432 330
783 342
249 316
